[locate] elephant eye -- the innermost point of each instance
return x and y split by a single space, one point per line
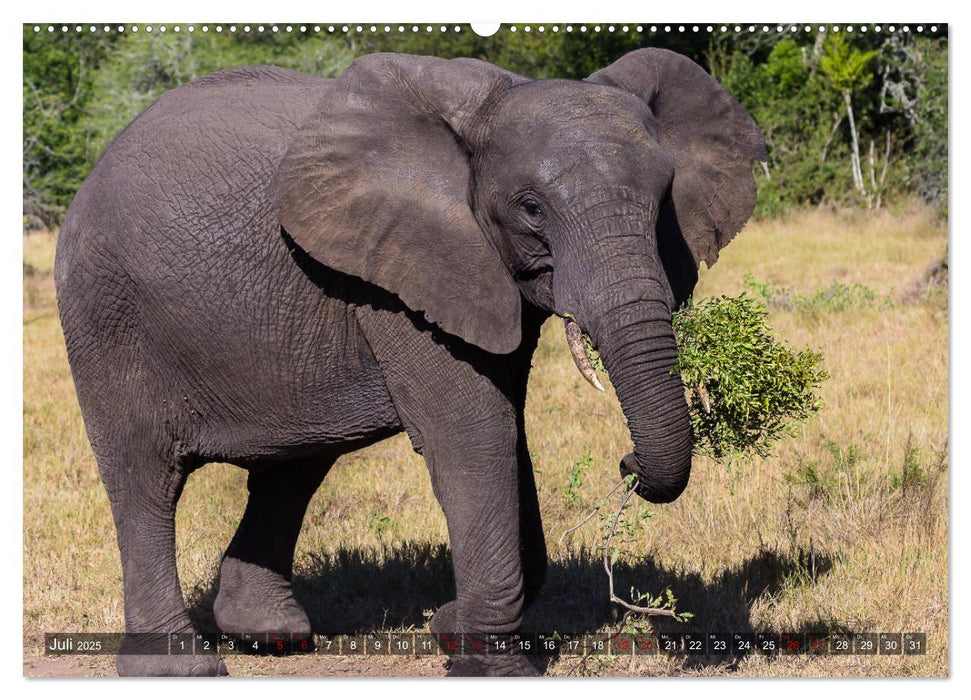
532 208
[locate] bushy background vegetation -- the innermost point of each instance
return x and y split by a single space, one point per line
850 118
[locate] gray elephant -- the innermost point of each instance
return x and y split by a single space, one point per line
273 269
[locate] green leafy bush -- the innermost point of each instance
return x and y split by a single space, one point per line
81 88
746 389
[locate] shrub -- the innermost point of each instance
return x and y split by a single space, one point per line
836 297
745 388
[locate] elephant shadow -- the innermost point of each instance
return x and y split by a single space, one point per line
399 585
355 590
576 596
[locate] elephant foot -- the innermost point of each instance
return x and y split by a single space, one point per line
255 599
170 665
476 665
444 621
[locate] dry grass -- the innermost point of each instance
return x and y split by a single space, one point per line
845 526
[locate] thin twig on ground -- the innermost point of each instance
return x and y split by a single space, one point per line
609 567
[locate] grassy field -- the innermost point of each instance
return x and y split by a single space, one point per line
843 527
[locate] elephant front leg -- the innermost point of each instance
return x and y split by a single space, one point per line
532 542
479 493
457 404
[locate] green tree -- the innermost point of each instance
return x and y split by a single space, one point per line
782 90
848 71
146 65
887 92
927 169
58 77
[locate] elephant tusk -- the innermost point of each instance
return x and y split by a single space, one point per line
574 340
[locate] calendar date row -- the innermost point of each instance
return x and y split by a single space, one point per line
421 643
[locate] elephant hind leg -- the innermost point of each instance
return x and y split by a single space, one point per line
144 485
255 594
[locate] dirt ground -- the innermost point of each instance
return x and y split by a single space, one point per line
37 665
40 666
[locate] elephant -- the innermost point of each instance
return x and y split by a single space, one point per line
272 269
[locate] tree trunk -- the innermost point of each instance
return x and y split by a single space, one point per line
855 155
883 171
873 175
832 134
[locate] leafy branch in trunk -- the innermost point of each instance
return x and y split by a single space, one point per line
746 390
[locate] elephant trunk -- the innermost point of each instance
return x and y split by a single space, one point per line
639 353
624 303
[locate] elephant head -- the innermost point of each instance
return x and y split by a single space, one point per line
464 189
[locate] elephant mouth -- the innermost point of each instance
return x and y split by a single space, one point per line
578 349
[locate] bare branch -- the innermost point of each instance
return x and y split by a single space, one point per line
593 512
609 568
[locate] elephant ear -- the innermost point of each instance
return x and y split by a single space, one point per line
710 137
376 185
